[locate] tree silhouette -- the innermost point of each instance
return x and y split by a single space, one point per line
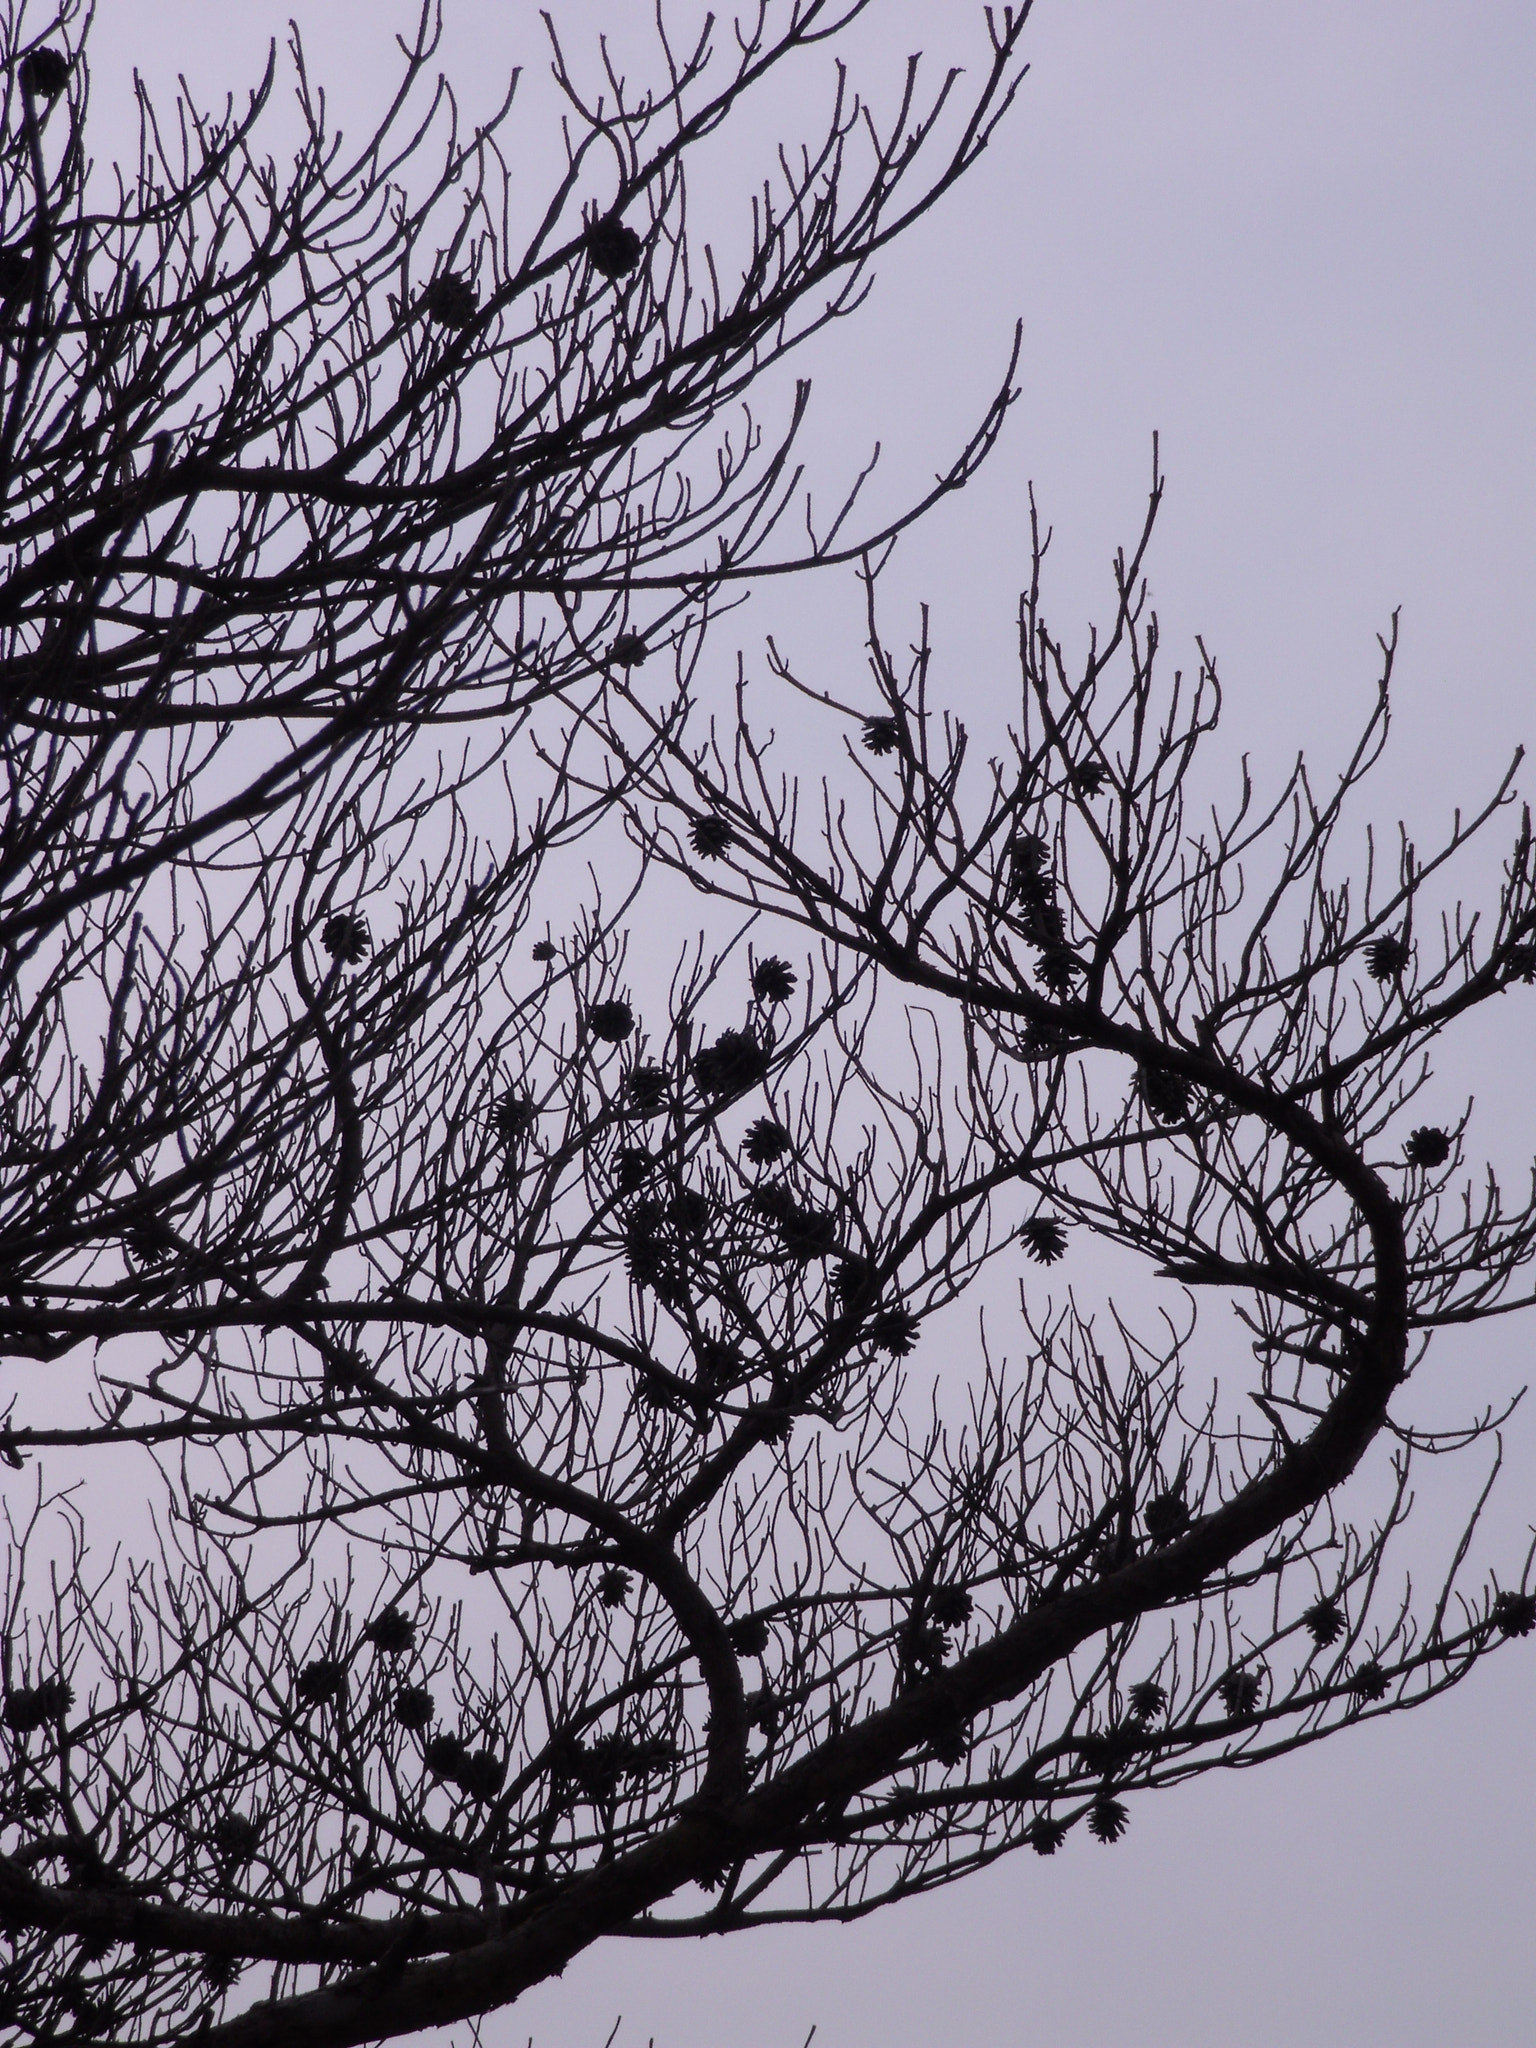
475 1484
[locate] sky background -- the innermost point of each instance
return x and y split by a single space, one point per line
1298 241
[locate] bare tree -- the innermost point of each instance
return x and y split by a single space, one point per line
509 1344
1199 1044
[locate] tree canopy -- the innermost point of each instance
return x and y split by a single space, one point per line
571 1487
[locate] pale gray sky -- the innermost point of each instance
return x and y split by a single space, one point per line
1299 242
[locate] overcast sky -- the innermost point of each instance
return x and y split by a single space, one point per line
1298 241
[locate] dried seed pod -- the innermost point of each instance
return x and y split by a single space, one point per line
1165 1095
612 1022
1057 968
482 1774
320 1680
1045 1835
1369 1681
514 1118
1046 1237
346 937
807 1234
628 651
392 1632
710 837
950 1606
18 273
646 1089
1514 1614
632 1168
1089 777
34 1706
612 248
881 735
613 1586
543 951
853 1277
732 1065
451 300
1027 856
894 1330
45 72
1107 1819
1239 1692
446 1755
236 1837
949 1745
1147 1700
766 1141
413 1707
1428 1146
748 1637
773 981
1166 1516
1325 1621
1386 958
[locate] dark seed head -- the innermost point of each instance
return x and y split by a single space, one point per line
1107 1820
1057 968
220 1973
413 1707
1027 855
345 936
1166 1096
450 300
613 1586
773 981
749 1636
1514 1614
236 1837
1325 1621
894 1331
446 1756
612 1022
392 1632
1089 777
881 735
1046 1237
1046 1835
151 1240
852 1278
18 272
1428 1146
1239 1692
950 1606
646 1089
766 1141
948 1745
482 1774
1147 1700
614 248
543 951
629 650
45 72
1386 958
633 1167
321 1679
710 837
733 1064
1166 1516
1369 1681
